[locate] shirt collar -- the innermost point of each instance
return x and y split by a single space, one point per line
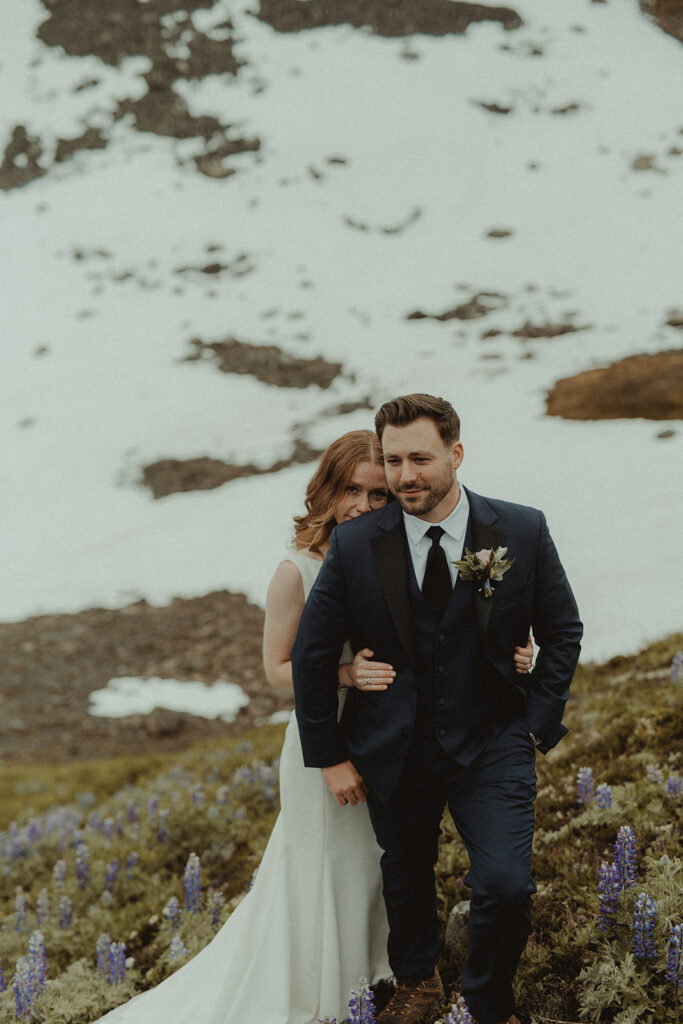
455 524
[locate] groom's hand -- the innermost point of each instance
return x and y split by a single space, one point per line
345 784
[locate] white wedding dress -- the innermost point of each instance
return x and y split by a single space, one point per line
313 923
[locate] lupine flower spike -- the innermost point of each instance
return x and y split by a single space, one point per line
24 995
102 954
172 911
604 796
625 856
361 1004
644 914
37 962
459 1013
674 960
65 912
677 666
584 782
192 884
673 787
117 963
178 949
609 887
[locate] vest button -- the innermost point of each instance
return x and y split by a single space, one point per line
441 668
441 637
442 701
442 732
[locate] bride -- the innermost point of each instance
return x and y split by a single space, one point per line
314 921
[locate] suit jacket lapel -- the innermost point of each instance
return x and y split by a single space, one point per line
390 554
484 535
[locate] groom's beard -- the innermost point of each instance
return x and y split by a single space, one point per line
429 497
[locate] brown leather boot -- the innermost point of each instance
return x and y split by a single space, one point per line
412 1000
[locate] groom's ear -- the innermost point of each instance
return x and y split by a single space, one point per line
458 454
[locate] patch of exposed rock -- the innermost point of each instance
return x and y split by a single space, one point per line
268 363
668 14
643 386
50 665
479 305
113 30
530 331
170 476
385 17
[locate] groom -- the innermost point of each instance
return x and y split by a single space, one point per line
457 726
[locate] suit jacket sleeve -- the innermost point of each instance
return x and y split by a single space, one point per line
558 630
315 661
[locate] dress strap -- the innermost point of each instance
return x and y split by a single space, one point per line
308 567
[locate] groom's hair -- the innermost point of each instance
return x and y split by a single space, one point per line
399 412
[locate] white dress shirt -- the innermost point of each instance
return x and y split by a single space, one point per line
452 541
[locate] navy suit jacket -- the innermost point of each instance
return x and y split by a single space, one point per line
362 594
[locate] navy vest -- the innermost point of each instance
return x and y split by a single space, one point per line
453 718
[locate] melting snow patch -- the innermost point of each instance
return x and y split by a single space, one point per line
131 696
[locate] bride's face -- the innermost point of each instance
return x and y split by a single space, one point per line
366 490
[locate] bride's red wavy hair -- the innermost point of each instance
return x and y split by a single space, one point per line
336 468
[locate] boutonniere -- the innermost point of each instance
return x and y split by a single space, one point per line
486 567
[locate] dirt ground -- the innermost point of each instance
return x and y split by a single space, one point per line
50 664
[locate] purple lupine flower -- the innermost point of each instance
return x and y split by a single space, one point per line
24 995
654 774
43 906
82 865
132 813
609 887
34 830
674 960
152 805
644 913
20 910
102 954
111 874
3 983
192 885
459 1013
177 949
217 905
132 862
65 913
109 828
117 963
37 962
172 912
15 845
677 666
59 874
584 781
604 796
361 1004
162 830
673 787
625 856
198 795
327 1020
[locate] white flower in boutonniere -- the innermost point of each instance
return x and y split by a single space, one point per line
486 567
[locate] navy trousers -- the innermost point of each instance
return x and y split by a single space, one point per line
491 802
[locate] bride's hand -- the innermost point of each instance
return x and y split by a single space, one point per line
523 658
367 675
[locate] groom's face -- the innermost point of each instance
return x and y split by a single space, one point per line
421 469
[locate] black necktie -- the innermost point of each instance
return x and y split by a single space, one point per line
436 586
